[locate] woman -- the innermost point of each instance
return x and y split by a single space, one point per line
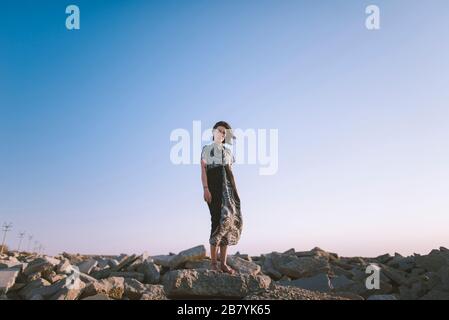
221 195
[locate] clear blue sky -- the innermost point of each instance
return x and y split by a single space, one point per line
363 120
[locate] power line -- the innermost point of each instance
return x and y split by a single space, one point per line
21 235
30 237
5 228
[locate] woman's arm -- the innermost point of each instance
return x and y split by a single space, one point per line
207 195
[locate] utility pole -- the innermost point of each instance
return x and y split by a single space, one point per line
5 228
36 243
30 237
21 235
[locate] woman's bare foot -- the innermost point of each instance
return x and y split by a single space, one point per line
213 266
225 268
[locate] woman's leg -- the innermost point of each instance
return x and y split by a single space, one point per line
223 258
213 257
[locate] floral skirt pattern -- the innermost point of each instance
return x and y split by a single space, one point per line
226 218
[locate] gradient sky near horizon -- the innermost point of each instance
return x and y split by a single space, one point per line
363 120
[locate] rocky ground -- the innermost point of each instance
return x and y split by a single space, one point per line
304 275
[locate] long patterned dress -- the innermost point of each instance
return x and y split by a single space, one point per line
226 218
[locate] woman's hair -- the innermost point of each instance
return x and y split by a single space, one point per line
228 128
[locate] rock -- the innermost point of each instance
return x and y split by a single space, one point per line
133 289
436 294
86 278
69 293
73 259
268 268
383 297
384 258
151 271
100 296
290 252
200 264
432 262
320 282
87 266
134 275
113 263
295 267
113 287
243 266
39 265
192 254
341 283
401 263
154 292
125 263
64 267
398 277
7 279
337 271
291 293
28 291
163 260
63 288
188 283
7 264
53 277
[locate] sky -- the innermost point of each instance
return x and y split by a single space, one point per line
362 119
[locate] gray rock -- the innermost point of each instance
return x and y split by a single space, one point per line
268 267
41 265
134 275
112 287
341 283
154 292
382 297
99 296
133 289
28 291
200 264
87 266
61 288
163 260
432 262
151 271
243 266
295 267
187 283
320 282
192 254
7 279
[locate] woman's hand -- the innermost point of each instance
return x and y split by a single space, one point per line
207 196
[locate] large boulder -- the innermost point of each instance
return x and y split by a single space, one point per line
302 267
87 266
320 282
113 287
154 292
433 261
187 283
243 266
41 265
151 271
63 289
192 254
7 279
133 289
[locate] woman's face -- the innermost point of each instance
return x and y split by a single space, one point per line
219 133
